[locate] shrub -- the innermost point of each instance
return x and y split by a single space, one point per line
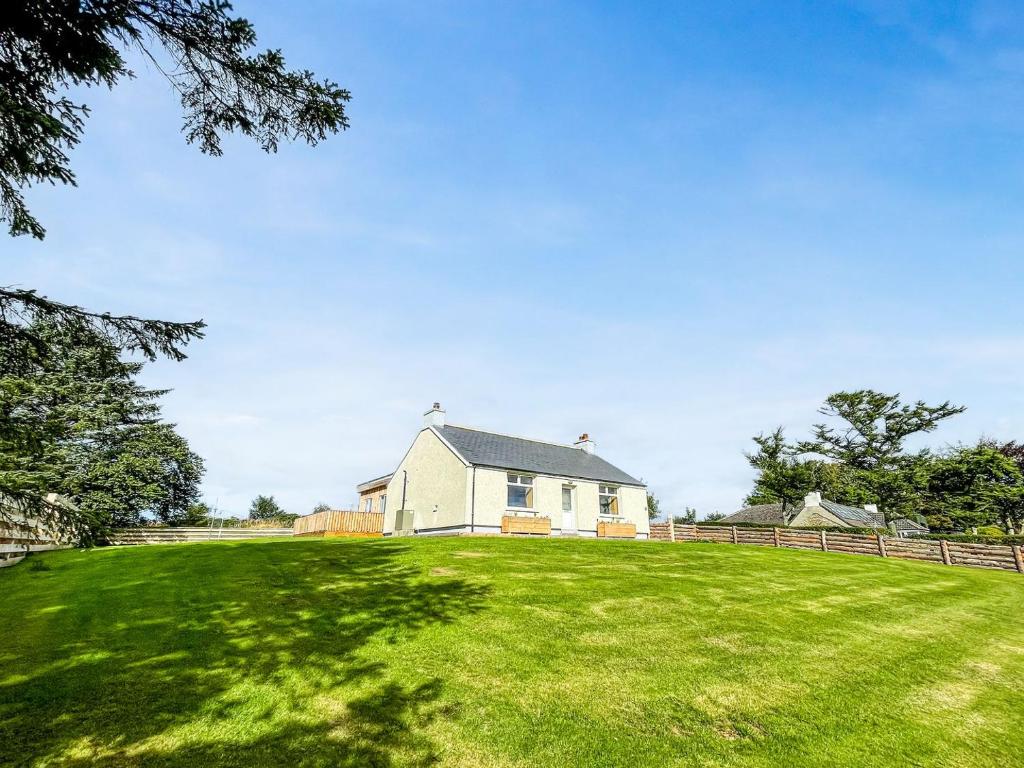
970 538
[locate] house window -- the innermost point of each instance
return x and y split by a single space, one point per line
382 503
520 491
368 504
608 497
566 498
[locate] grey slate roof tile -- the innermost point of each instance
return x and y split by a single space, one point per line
487 449
856 516
760 513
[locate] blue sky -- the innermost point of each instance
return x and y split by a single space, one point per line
672 226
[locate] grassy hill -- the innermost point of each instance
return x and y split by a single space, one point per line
497 652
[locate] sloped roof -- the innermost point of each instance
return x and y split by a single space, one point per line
759 513
382 480
489 449
906 524
855 516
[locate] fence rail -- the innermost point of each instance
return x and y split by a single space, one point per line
20 535
1006 557
126 536
340 522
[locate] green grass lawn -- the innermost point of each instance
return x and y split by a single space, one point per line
499 652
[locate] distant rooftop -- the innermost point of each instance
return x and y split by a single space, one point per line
770 514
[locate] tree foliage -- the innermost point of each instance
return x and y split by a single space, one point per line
653 507
864 459
873 428
75 421
198 514
781 477
204 51
972 486
689 517
265 508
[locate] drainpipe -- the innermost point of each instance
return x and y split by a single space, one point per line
405 479
472 504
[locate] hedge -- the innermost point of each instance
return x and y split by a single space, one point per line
827 528
970 538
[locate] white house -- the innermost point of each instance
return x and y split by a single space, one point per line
455 479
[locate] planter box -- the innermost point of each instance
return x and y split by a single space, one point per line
539 526
607 530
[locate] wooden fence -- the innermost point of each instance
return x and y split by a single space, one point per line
340 522
20 535
1006 557
154 535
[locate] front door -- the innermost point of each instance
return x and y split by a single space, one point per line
568 510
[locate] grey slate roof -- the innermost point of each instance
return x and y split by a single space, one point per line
855 516
487 449
770 514
906 524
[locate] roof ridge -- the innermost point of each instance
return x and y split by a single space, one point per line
514 437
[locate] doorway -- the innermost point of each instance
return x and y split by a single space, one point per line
568 510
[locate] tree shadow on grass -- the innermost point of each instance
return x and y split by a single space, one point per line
233 654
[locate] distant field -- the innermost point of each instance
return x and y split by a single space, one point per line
499 652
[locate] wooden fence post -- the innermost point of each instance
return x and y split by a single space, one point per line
824 541
671 529
775 535
734 541
1018 557
944 548
881 546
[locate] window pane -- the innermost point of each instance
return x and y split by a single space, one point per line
517 496
567 499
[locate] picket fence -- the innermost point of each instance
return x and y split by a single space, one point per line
1006 557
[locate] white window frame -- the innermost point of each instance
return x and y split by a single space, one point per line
383 503
521 481
369 504
611 492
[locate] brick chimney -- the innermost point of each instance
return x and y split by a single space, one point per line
434 417
586 444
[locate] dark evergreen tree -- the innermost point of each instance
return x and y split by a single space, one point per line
202 48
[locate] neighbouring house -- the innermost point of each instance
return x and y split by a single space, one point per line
815 512
456 479
905 528
373 494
